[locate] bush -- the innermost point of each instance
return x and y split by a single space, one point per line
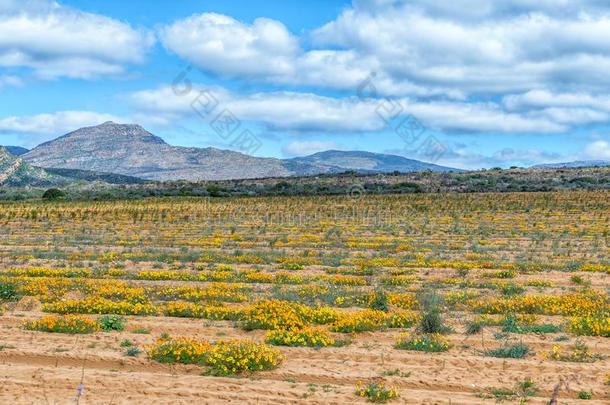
53 194
433 343
73 324
585 395
126 343
368 320
380 301
308 337
179 350
110 323
580 353
239 356
222 358
8 291
590 326
376 392
432 321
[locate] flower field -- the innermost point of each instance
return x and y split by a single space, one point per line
423 298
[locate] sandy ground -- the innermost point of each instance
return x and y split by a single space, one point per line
44 368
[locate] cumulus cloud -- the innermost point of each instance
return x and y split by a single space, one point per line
266 50
225 46
57 123
308 112
58 41
459 50
598 150
420 42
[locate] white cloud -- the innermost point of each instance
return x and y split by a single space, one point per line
463 157
267 51
8 80
56 124
304 148
544 99
476 10
307 112
420 43
419 48
225 46
56 41
598 150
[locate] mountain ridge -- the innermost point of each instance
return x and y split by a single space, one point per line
15 172
573 164
130 150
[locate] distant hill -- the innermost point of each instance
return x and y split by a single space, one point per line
16 150
575 164
86 175
14 172
333 160
130 150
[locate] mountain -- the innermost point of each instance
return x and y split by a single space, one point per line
578 163
92 176
130 150
368 162
16 150
14 172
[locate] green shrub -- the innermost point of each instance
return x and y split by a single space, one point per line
508 351
8 291
53 194
126 343
133 352
585 395
110 323
380 301
511 325
431 320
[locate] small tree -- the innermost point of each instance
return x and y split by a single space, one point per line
53 194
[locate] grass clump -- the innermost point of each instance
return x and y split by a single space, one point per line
473 327
431 343
376 392
133 352
579 353
509 351
512 325
126 343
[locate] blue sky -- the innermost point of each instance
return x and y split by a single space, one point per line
506 83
